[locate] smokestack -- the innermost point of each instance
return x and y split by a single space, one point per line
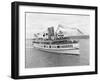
50 32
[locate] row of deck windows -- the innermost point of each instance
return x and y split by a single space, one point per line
58 46
57 42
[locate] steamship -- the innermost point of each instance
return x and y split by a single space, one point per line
57 41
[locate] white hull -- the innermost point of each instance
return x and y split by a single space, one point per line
65 51
63 48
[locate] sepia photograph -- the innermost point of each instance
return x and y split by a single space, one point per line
56 39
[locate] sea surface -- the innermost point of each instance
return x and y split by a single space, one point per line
35 58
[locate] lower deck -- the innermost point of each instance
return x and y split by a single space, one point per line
57 47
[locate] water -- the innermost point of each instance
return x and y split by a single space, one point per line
35 58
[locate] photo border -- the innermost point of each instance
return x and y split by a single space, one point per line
15 39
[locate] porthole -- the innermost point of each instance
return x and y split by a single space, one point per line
49 46
58 46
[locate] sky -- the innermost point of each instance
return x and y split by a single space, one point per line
37 22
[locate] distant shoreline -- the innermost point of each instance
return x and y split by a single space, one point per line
76 37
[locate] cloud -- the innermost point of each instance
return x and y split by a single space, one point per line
39 22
